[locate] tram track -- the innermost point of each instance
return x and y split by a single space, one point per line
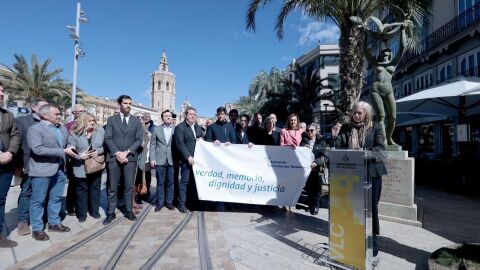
123 250
76 246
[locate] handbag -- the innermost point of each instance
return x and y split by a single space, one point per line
94 164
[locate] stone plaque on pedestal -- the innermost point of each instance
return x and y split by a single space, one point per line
398 189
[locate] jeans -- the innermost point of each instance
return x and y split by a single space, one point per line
52 186
164 178
24 200
5 181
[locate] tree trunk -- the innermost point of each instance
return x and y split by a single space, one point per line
351 66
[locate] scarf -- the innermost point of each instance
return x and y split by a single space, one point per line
357 136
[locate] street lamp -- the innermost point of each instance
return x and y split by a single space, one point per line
78 51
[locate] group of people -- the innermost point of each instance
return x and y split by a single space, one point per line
45 153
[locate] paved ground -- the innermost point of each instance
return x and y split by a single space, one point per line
250 238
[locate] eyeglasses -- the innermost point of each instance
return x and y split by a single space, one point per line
311 130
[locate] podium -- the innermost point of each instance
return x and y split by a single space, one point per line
350 216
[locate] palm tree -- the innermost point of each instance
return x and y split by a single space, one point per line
352 38
247 105
302 94
23 82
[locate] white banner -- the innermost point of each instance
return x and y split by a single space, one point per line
266 175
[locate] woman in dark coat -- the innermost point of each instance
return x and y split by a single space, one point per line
363 133
273 137
319 175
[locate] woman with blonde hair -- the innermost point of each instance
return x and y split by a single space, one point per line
291 135
87 138
361 133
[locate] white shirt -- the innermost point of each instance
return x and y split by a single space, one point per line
127 117
193 129
167 131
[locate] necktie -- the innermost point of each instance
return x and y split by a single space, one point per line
125 119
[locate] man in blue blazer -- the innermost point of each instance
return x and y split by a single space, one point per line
46 167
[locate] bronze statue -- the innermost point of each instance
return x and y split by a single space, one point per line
381 93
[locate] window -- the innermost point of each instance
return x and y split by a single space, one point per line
159 85
445 71
331 60
168 86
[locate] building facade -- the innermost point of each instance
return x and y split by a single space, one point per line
325 60
163 87
449 52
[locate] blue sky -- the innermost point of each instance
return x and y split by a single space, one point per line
211 54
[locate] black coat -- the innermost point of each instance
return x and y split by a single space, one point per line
23 123
185 142
374 141
274 138
257 135
222 131
240 139
319 175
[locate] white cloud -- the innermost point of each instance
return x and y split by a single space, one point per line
316 31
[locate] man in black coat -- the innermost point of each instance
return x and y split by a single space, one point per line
10 140
185 139
221 131
123 138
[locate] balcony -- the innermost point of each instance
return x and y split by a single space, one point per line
449 30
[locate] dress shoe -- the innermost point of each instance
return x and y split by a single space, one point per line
109 219
170 206
71 213
58 228
82 220
182 209
158 208
7 243
23 229
314 210
131 216
95 216
40 236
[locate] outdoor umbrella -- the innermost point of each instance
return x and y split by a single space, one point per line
458 98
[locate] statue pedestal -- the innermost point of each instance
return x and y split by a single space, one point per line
398 190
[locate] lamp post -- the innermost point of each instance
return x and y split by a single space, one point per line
78 51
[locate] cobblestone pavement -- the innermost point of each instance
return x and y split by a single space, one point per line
249 237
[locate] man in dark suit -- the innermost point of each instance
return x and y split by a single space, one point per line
46 167
9 143
221 131
185 138
123 138
233 116
21 165
161 159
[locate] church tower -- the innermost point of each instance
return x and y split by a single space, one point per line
163 87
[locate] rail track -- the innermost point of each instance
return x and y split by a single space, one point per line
114 261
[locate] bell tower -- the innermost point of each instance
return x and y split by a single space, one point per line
163 87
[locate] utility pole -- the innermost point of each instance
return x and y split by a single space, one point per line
78 51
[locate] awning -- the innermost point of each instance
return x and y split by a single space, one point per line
414 118
445 99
